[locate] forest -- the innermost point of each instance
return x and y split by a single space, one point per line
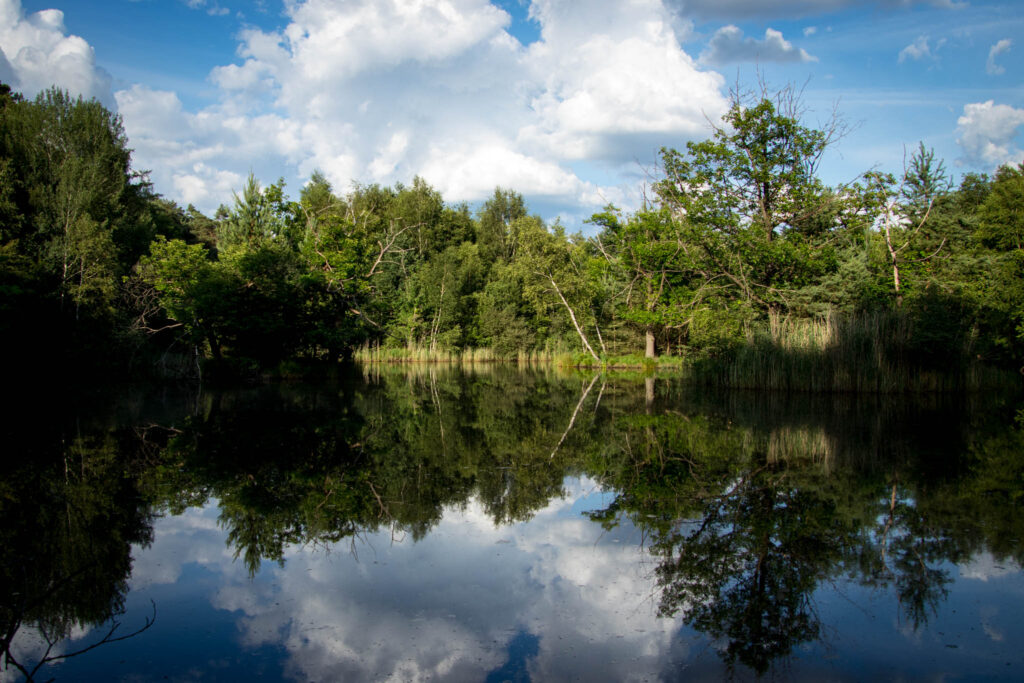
742 267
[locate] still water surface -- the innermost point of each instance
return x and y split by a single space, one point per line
498 525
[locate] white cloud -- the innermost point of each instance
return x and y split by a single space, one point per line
205 186
380 92
999 48
36 52
327 41
729 45
213 8
7 74
810 31
152 115
617 73
921 49
467 172
987 133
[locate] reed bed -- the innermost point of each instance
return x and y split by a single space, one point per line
878 352
558 358
867 353
422 354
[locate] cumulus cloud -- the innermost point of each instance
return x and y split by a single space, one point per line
987 134
999 48
613 71
921 49
183 151
36 52
729 45
379 92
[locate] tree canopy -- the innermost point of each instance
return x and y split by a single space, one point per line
740 244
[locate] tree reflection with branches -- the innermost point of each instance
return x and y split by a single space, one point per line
748 521
70 518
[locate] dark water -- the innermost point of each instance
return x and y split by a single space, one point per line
510 526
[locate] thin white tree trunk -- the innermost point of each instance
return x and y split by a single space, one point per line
572 316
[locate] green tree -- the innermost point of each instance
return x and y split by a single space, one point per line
649 257
1001 224
195 292
507 321
903 211
74 217
758 170
447 285
498 235
1000 229
759 216
556 278
74 161
256 220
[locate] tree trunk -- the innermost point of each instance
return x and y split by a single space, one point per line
575 323
649 343
436 327
893 256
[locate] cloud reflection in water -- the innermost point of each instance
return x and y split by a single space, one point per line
446 607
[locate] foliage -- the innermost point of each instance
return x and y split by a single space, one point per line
74 218
99 272
759 221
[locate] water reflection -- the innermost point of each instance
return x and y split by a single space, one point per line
750 513
71 512
461 526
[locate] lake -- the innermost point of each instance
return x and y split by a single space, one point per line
495 524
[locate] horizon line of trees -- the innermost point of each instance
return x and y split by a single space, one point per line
98 270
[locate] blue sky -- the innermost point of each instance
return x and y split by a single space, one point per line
564 101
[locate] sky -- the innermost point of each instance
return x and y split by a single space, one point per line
565 101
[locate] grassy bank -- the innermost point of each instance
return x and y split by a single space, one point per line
885 352
474 356
471 356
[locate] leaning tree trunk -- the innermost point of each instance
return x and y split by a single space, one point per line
572 317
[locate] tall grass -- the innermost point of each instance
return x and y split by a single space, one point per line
372 353
870 352
878 352
556 357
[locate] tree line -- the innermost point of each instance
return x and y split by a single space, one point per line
738 243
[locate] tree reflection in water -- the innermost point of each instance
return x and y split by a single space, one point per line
750 504
71 511
749 515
